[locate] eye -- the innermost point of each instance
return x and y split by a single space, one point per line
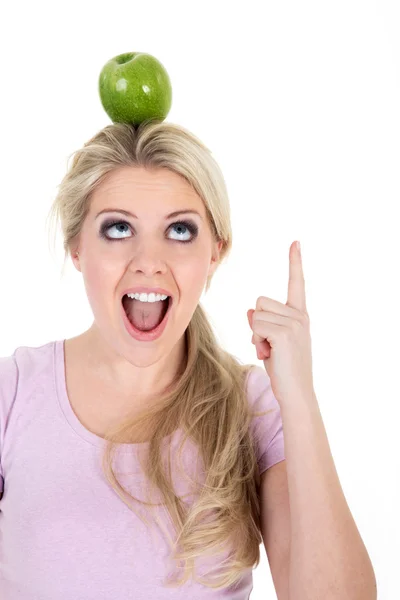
190 228
187 227
109 225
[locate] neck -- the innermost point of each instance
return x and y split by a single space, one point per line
143 376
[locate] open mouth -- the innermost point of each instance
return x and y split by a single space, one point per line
145 316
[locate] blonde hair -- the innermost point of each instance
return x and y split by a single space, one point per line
208 400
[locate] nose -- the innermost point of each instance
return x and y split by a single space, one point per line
148 259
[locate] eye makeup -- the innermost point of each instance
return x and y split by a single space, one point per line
109 223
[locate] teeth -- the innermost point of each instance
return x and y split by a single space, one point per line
148 297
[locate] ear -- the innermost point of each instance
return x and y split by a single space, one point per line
75 258
215 257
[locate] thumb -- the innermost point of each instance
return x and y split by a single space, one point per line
250 316
262 347
256 338
250 320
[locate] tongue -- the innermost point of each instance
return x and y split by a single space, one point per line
146 315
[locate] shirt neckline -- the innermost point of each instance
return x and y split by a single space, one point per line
69 414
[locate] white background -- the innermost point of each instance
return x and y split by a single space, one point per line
299 103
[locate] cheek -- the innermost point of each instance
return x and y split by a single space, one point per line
99 280
191 275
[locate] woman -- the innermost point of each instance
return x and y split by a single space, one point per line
115 390
200 441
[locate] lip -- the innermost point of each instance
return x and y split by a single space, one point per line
147 290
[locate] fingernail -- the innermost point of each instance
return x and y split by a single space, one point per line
298 246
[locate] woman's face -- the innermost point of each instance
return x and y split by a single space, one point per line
148 249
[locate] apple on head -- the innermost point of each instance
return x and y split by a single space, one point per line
135 87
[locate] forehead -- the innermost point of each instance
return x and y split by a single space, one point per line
132 186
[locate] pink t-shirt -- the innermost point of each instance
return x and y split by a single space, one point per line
65 534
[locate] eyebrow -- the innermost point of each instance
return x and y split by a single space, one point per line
129 214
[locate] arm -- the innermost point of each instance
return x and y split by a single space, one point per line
328 558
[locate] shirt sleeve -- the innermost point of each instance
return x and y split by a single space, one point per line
8 387
266 428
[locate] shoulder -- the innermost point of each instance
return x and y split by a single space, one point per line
259 390
18 374
266 419
8 391
8 380
21 367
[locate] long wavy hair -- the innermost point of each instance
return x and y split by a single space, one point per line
208 400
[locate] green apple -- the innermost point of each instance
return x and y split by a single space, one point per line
135 87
